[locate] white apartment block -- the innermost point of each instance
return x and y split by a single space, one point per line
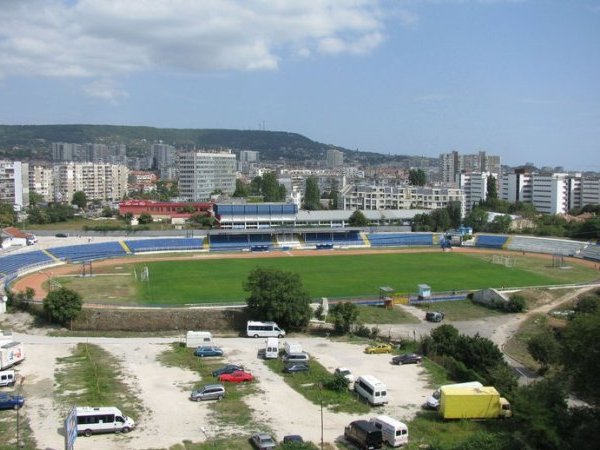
550 193
105 182
201 173
517 187
367 197
474 186
451 165
334 158
14 184
41 181
248 159
590 191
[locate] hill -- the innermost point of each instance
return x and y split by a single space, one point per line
33 141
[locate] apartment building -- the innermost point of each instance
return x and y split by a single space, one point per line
248 159
590 191
41 181
451 165
474 186
370 197
105 182
334 158
517 186
14 184
89 152
201 173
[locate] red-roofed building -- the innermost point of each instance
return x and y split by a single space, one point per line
164 210
13 236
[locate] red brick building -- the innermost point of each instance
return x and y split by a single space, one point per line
164 209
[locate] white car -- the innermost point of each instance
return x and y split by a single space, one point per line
346 373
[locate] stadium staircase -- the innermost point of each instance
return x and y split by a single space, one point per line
365 239
125 247
54 258
507 243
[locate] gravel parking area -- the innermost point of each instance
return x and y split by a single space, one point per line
169 416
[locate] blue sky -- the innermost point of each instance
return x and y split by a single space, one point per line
520 79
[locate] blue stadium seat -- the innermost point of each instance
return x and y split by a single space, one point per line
400 239
490 240
88 252
164 244
10 265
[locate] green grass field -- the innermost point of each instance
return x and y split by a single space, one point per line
335 276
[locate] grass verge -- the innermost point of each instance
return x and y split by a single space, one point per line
8 430
516 346
93 377
307 384
461 310
230 411
381 315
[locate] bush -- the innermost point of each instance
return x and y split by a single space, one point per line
515 304
336 383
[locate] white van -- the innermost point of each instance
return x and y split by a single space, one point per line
433 401
104 419
7 378
195 339
264 329
371 389
394 432
271 348
292 348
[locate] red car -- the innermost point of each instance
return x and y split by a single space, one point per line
239 376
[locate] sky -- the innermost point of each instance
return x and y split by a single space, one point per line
516 78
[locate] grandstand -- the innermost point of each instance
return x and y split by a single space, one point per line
88 252
338 238
228 242
400 239
591 252
11 265
164 244
544 245
490 240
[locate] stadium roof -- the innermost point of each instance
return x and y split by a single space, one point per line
380 214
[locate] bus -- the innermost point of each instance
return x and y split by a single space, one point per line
264 329
104 419
371 389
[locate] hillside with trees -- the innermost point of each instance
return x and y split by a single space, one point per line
33 141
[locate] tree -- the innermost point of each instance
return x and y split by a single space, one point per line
544 348
477 219
241 189
107 212
454 213
278 296
344 315
312 195
145 218
79 199
417 177
62 305
35 198
333 194
7 215
492 188
580 344
271 189
500 224
440 219
358 219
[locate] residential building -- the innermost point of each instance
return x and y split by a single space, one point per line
105 182
474 186
517 186
334 158
590 191
14 184
451 165
41 181
201 173
248 159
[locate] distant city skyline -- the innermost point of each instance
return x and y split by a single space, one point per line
515 78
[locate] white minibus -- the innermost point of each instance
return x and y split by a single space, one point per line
104 419
272 348
264 329
394 432
371 389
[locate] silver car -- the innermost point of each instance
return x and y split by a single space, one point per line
262 441
208 392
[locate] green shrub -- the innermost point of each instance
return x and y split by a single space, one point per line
516 303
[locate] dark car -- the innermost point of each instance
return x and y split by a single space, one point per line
407 358
208 351
229 368
292 438
8 401
61 235
434 316
296 367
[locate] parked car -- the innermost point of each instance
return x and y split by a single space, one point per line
344 372
61 235
292 438
407 358
296 367
379 348
8 401
296 357
239 376
208 351
229 368
208 392
262 441
434 316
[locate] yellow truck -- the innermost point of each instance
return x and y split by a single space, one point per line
473 403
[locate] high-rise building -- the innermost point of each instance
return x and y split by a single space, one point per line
41 181
451 165
334 158
14 184
105 182
248 158
201 173
474 186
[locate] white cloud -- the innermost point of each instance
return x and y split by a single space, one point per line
105 89
107 38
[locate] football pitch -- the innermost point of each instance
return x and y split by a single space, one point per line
333 276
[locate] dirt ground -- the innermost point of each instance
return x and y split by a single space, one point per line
169 416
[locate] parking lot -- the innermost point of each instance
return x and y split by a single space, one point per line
169 417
